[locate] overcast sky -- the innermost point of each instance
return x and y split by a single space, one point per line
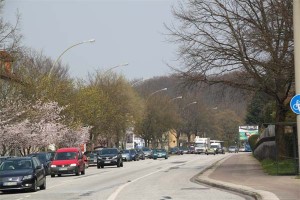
126 31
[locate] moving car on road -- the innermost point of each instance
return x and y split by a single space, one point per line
233 149
210 151
109 157
22 173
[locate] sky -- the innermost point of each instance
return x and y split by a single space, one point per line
126 31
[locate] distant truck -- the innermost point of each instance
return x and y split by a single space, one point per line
201 145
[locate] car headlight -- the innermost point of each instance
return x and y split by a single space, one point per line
73 165
115 157
27 177
53 165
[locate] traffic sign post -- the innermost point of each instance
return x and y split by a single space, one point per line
296 24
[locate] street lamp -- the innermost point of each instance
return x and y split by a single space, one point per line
179 97
121 65
189 104
164 89
139 81
70 47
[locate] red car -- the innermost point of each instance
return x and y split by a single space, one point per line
67 161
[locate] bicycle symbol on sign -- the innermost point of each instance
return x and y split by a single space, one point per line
296 106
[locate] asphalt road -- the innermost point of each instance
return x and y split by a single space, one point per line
145 179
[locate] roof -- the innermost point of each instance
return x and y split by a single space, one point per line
70 149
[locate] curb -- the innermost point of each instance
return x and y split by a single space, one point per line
203 178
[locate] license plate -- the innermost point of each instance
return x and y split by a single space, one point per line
9 183
107 162
63 168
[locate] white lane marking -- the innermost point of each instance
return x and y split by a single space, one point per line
114 195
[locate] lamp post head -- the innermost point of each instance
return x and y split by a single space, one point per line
91 40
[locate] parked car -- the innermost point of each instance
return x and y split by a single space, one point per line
160 153
184 150
22 173
141 154
2 158
91 158
109 157
233 149
191 150
134 155
52 154
45 159
67 161
147 151
126 155
176 150
210 151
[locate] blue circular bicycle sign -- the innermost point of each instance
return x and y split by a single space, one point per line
295 104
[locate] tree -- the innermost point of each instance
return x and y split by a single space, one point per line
10 39
108 104
28 126
160 117
244 44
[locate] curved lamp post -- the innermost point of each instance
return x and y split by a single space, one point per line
121 65
164 89
70 47
194 102
179 97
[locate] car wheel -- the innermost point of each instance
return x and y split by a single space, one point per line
59 175
102 166
43 186
166 157
77 172
98 166
52 175
34 187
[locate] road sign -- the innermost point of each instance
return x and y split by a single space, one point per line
295 104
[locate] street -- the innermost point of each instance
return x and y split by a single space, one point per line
145 179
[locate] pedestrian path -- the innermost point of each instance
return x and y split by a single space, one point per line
242 173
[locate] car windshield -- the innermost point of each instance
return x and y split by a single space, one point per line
109 151
146 149
91 155
200 145
65 156
19 164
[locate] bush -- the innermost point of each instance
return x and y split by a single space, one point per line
252 141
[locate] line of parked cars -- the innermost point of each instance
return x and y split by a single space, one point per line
29 172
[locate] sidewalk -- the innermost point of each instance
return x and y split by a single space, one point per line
243 173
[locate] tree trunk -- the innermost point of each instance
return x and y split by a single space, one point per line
281 111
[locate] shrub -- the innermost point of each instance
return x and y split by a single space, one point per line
252 141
